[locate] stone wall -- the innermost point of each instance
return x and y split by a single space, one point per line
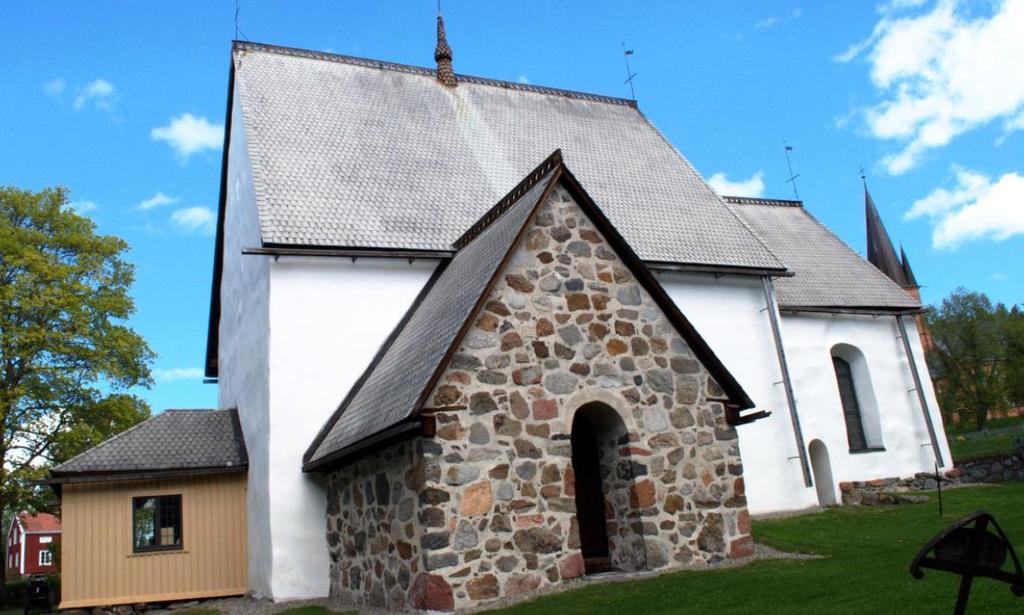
487 509
995 469
375 527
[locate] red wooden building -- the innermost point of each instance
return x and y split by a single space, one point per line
31 544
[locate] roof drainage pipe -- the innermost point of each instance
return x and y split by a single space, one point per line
773 317
920 390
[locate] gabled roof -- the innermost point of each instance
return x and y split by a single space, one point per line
401 376
356 153
360 157
174 441
41 522
827 272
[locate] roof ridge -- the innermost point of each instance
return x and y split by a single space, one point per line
166 410
429 72
757 200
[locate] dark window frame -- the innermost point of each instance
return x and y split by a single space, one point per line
852 415
157 518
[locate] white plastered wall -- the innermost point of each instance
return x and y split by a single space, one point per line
729 313
809 339
243 349
328 318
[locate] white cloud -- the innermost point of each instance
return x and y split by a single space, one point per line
83 207
157 200
188 134
977 208
54 88
177 373
197 219
942 73
772 21
998 277
753 187
523 79
99 92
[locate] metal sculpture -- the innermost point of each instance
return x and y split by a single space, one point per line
971 551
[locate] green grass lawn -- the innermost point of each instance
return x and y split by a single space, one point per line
985 445
868 553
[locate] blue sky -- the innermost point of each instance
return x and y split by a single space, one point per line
123 103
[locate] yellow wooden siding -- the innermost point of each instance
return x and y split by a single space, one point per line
99 567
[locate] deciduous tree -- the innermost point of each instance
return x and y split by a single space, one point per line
968 355
68 359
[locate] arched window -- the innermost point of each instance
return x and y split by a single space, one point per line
857 397
851 407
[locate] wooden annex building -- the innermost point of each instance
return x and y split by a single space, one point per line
156 513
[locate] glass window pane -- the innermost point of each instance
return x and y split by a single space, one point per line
144 522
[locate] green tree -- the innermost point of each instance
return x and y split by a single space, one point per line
968 355
68 361
1014 339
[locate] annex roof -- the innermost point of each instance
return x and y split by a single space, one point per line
41 522
356 153
172 441
827 272
398 380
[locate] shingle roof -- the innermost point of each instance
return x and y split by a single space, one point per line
39 522
171 440
355 153
827 272
394 385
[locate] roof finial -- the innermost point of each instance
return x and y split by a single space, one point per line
443 54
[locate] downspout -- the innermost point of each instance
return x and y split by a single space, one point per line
920 390
773 317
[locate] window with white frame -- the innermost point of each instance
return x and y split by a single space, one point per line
45 539
45 557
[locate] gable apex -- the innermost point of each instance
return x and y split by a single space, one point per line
397 384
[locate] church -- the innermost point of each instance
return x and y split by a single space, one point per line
482 338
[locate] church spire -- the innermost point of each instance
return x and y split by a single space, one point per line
908 273
881 252
443 55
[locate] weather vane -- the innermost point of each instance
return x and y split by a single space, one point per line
792 178
629 72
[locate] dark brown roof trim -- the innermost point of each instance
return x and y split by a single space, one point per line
839 309
730 386
320 464
419 70
318 440
660 266
734 392
63 478
213 325
509 199
748 200
392 435
291 250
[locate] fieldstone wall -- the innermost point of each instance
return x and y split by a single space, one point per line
486 509
374 527
995 469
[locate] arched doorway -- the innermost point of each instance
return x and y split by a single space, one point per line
596 428
822 468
